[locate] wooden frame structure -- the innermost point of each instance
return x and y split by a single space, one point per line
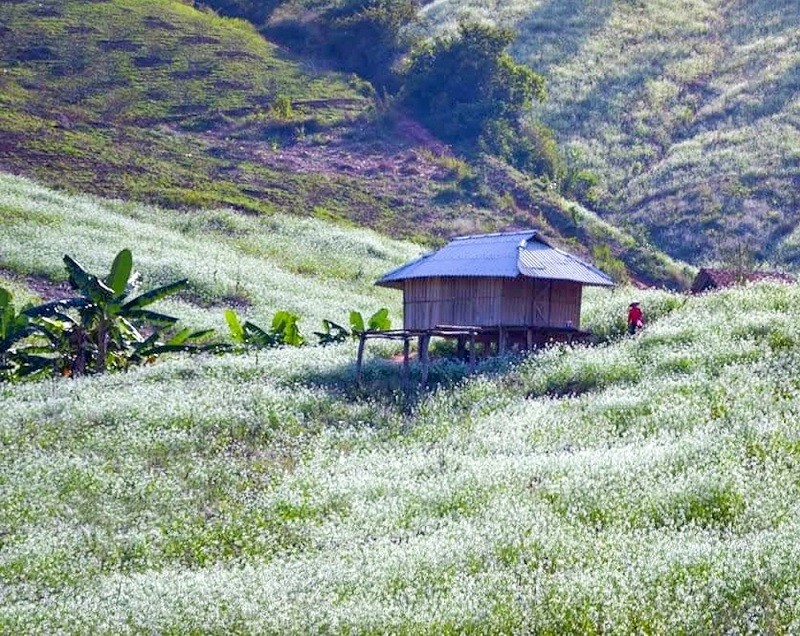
505 337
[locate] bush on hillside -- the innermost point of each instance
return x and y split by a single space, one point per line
466 88
527 146
368 36
256 11
365 37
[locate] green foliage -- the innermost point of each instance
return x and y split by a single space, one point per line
530 147
605 260
105 331
332 333
284 331
256 11
21 353
462 85
367 37
95 331
379 321
282 107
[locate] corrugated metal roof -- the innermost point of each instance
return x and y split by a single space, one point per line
538 260
505 255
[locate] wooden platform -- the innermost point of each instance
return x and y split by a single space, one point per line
503 339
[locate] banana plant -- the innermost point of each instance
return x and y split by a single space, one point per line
379 321
332 333
285 331
285 326
25 350
15 328
105 331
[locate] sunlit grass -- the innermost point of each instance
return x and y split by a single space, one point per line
255 264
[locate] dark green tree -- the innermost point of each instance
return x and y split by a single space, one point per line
462 85
367 37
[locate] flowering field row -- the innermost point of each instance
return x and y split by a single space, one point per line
649 484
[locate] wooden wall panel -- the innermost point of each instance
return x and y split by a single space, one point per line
565 304
489 302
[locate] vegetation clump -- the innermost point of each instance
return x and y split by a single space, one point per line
470 92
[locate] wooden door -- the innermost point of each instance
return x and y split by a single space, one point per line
541 302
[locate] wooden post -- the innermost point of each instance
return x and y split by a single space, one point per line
362 341
424 358
529 336
405 362
501 341
471 350
461 351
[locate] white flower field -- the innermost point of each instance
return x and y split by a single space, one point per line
650 484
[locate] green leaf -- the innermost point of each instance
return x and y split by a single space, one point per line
121 270
186 335
234 325
152 317
154 295
89 285
56 307
379 321
284 325
357 321
255 335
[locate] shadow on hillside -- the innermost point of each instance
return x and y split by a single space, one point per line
558 28
610 99
382 379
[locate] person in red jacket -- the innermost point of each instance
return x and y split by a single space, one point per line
635 317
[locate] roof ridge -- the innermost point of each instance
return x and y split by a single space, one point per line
532 232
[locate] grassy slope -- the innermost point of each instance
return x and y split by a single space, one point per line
163 103
647 485
688 110
256 264
160 102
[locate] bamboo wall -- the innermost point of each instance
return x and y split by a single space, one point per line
491 302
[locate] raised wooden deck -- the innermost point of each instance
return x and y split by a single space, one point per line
521 338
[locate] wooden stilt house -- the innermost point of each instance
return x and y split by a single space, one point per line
509 289
513 280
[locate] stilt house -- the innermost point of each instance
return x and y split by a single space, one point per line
511 281
506 290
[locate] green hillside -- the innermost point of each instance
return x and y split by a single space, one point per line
164 103
648 485
161 102
687 111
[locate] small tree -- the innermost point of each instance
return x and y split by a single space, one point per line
461 85
368 36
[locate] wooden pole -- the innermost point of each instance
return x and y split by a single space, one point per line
362 341
529 336
405 362
424 358
501 341
471 350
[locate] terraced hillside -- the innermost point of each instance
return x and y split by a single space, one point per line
689 111
162 102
